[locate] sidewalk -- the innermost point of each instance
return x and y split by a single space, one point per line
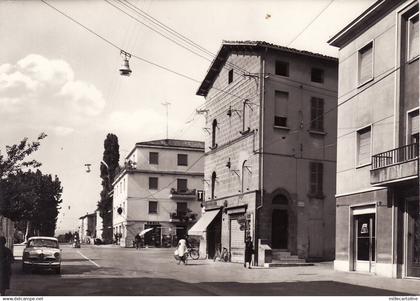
322 271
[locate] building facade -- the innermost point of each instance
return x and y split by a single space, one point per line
87 228
270 151
158 189
378 223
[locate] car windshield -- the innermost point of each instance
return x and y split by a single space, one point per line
43 243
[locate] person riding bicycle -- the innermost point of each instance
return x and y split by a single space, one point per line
182 251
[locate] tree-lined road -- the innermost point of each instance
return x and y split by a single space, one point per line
113 271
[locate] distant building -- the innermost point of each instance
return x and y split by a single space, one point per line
378 220
270 152
158 189
87 228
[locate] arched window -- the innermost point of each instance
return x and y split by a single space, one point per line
213 183
280 200
213 133
246 176
245 118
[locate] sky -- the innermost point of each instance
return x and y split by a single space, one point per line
57 77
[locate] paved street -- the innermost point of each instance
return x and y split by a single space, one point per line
113 271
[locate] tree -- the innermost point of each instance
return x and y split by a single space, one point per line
111 158
16 154
32 200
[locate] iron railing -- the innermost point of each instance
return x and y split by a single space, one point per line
395 156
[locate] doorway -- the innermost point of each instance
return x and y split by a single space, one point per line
364 242
412 233
280 229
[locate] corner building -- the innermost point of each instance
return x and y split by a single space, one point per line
378 222
269 169
157 189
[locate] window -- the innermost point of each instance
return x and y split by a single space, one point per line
230 76
317 75
413 127
182 160
245 118
246 176
282 68
153 183
366 63
153 158
181 207
317 114
213 134
316 170
413 37
153 207
363 146
182 185
213 183
280 110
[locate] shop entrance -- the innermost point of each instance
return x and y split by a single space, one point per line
412 222
364 242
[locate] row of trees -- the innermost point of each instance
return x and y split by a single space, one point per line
28 197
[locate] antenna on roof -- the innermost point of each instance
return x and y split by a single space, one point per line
166 104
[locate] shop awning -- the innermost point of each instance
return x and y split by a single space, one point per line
202 224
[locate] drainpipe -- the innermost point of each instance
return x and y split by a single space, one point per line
260 155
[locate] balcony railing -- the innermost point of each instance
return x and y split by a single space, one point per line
183 192
395 156
183 216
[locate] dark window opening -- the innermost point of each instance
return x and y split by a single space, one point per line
317 75
230 76
213 183
280 121
153 183
181 207
153 207
153 158
213 133
182 160
282 68
182 185
317 114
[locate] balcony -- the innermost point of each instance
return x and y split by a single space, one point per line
182 217
395 165
183 194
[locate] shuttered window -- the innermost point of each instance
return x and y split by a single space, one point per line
366 63
316 170
363 146
153 183
413 37
317 114
280 110
153 207
414 122
182 185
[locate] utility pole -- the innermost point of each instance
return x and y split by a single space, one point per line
166 104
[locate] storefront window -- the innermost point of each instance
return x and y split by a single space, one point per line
413 239
365 237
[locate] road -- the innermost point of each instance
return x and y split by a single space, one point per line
115 271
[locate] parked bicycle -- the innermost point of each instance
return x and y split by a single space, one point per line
193 253
224 256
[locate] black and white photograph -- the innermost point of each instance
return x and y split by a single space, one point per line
209 148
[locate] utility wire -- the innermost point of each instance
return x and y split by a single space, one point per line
174 32
134 55
310 23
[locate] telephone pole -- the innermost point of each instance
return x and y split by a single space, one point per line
166 104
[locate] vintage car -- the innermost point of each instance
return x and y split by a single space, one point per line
42 252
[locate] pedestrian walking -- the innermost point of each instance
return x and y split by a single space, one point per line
137 239
6 259
249 250
181 251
